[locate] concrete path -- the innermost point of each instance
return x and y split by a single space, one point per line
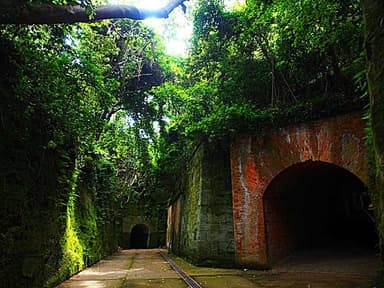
126 269
334 261
146 268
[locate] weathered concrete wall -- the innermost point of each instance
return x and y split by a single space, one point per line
255 161
202 219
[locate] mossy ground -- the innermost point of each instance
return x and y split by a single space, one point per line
238 278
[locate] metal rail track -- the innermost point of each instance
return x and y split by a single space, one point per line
187 279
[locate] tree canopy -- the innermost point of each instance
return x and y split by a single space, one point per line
270 58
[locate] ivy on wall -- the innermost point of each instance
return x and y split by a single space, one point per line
77 126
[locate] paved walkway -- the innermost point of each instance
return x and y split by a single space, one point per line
127 268
146 268
336 261
310 269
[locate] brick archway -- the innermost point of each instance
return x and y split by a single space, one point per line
256 161
316 205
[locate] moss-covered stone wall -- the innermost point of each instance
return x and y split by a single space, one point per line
203 225
49 229
56 215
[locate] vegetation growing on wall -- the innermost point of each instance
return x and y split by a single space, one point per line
373 15
77 131
87 124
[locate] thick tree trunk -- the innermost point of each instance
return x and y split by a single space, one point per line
54 14
374 23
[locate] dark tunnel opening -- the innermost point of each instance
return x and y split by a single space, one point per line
139 236
317 205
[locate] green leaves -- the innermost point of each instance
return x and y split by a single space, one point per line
92 84
271 53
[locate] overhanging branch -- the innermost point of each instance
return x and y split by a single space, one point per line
54 14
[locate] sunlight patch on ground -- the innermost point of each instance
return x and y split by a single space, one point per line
106 273
92 284
135 270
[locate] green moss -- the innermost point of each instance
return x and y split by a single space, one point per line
87 236
87 224
72 250
192 207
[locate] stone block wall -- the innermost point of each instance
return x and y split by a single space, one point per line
202 218
216 230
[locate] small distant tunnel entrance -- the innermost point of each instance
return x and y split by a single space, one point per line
316 205
139 237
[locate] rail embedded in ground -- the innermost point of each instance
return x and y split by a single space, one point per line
187 279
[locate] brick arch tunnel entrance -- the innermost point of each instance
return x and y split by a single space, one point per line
315 205
139 238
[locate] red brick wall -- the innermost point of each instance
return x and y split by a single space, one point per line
256 161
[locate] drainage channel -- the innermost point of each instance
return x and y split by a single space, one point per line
187 279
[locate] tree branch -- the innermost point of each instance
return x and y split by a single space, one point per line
55 14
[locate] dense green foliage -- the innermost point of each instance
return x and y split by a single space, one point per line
96 117
279 54
78 143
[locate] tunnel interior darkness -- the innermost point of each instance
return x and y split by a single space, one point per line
317 205
139 236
